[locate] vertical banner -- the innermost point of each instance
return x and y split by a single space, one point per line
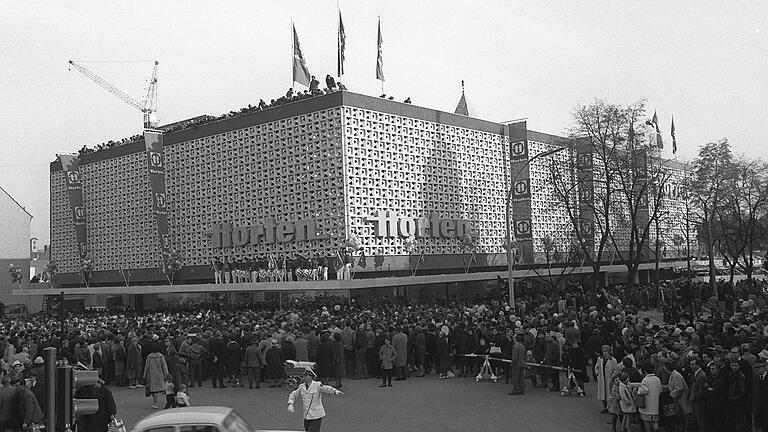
156 169
71 166
520 184
585 176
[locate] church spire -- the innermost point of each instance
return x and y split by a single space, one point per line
463 107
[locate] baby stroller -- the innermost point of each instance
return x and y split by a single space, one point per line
294 371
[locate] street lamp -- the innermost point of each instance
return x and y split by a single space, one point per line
510 259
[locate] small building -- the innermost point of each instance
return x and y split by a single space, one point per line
15 227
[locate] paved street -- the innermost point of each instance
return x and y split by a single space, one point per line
419 404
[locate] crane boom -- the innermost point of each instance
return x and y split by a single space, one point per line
147 106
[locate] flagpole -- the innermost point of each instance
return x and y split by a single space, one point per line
338 42
293 51
378 35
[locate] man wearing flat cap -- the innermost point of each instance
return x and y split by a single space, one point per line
311 393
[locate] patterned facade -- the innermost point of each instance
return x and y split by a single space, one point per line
63 240
415 168
121 226
286 170
336 160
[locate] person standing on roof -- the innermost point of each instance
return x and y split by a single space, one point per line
311 393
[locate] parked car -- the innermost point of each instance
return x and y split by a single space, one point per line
195 419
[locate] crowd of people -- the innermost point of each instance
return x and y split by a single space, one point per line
703 364
331 85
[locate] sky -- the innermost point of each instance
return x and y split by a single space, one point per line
705 62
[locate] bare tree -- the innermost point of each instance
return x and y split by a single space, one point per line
709 194
586 188
741 221
565 260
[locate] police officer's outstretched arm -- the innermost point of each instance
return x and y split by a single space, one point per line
330 390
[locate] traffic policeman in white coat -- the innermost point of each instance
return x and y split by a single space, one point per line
311 393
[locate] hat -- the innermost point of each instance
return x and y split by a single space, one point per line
763 355
308 371
16 363
689 330
39 360
274 341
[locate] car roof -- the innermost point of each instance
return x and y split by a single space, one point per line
188 415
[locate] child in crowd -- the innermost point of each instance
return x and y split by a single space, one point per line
387 355
626 402
614 402
170 393
182 400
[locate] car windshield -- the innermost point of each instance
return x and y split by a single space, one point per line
234 423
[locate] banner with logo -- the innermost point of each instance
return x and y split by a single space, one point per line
153 142
71 166
521 190
523 229
519 151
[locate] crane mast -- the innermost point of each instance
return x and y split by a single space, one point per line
148 105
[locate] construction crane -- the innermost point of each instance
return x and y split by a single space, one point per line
148 105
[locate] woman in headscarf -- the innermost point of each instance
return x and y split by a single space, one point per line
155 371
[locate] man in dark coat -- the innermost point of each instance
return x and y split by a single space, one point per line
760 395
698 394
552 358
274 360
234 357
28 407
216 348
9 405
507 343
518 366
330 82
98 421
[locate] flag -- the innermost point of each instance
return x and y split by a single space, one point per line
659 141
379 59
674 140
339 261
342 45
300 71
362 262
655 123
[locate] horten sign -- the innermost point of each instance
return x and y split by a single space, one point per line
389 224
386 224
224 235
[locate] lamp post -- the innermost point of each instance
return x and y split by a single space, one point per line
510 258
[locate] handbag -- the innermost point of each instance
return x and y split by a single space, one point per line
670 409
116 425
639 399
